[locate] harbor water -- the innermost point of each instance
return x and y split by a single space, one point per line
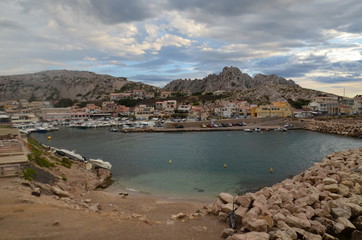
196 165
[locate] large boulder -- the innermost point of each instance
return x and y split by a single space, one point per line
257 225
226 197
251 236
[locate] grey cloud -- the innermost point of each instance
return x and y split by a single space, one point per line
112 11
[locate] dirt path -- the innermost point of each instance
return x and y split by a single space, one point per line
23 216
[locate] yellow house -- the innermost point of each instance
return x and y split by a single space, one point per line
277 109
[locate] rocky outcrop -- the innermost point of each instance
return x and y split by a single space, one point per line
230 79
56 84
352 129
323 202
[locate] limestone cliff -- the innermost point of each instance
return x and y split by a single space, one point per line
56 84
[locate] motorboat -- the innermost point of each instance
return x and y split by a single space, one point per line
69 154
247 130
99 163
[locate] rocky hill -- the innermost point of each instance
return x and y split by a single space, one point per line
56 84
230 79
258 89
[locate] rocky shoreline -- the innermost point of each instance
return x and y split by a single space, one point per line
323 202
335 126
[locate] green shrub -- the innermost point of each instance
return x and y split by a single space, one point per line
66 162
43 162
29 174
64 178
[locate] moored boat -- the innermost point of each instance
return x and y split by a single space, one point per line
100 163
70 154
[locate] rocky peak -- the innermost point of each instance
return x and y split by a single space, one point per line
230 79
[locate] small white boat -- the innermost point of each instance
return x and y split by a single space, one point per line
281 129
70 154
247 130
257 130
100 163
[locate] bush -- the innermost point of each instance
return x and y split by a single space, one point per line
66 162
43 162
29 174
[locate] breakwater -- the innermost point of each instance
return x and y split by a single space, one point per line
352 128
323 202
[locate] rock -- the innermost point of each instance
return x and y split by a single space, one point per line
244 201
59 192
178 216
170 222
227 208
216 206
251 236
269 220
257 225
317 228
356 209
343 190
95 207
105 177
297 222
222 216
344 212
282 235
331 188
227 232
88 200
226 197
311 236
342 224
356 235
328 181
358 223
326 236
56 224
240 213
36 192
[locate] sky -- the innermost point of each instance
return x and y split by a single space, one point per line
316 43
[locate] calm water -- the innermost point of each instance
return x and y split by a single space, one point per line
141 161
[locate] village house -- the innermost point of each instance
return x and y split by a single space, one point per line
149 95
143 112
165 94
184 108
232 109
357 105
138 94
325 105
92 108
198 113
23 118
168 106
61 114
277 109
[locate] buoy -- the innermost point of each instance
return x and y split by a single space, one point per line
225 165
170 162
271 170
49 137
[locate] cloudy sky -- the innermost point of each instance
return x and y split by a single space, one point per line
317 43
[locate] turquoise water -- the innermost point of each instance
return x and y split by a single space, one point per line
141 161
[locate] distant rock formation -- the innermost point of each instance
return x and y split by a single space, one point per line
230 79
260 89
56 84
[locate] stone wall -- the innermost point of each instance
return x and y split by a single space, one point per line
347 128
323 202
